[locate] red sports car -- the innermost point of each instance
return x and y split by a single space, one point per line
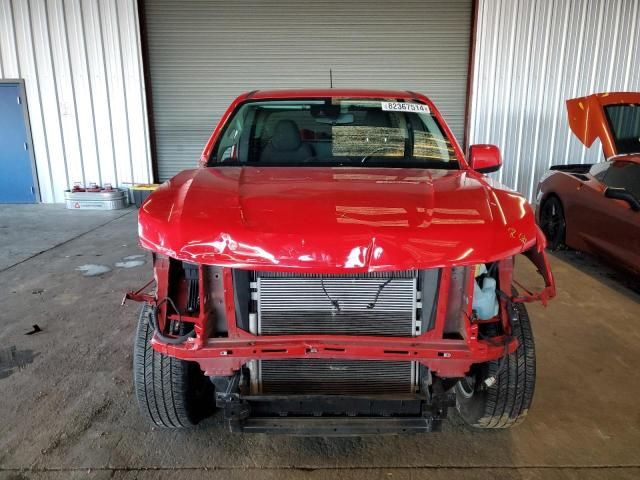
596 208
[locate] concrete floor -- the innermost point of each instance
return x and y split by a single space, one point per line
68 411
22 235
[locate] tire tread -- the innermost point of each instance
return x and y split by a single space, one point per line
161 382
507 401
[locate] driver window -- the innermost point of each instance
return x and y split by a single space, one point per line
624 175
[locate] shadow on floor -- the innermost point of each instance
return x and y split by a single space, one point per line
620 280
12 360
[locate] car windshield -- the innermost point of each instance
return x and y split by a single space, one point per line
334 132
624 121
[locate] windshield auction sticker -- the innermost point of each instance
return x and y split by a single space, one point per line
404 107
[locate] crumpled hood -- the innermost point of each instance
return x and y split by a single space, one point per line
334 219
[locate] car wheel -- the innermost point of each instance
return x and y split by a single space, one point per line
505 402
171 393
552 222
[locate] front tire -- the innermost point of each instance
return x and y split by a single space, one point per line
552 222
171 393
506 402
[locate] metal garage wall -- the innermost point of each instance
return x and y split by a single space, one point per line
530 57
204 53
81 63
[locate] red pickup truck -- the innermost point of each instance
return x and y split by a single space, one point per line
336 266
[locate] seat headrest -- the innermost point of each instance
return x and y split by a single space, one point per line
286 136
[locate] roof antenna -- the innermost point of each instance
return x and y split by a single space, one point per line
330 79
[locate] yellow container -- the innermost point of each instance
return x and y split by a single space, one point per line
140 191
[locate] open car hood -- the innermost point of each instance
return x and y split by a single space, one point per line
588 121
329 220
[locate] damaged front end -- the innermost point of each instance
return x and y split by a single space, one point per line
378 345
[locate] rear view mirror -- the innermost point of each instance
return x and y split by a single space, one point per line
342 119
624 195
484 158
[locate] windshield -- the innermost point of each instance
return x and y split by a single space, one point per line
334 132
624 121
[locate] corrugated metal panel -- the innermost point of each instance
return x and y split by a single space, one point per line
81 63
204 53
530 58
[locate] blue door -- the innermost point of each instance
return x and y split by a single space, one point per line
16 175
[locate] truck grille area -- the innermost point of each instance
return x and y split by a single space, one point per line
363 304
334 377
399 304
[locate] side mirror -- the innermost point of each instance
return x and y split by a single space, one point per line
624 195
484 158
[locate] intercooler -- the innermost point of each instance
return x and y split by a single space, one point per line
378 304
363 304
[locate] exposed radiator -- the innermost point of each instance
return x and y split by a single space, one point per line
333 377
385 303
364 304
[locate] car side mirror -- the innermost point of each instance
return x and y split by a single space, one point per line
484 158
623 194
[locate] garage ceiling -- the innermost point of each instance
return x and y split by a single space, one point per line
202 54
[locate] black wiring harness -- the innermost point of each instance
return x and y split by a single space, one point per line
513 317
154 324
370 306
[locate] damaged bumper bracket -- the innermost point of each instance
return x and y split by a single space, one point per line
537 256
